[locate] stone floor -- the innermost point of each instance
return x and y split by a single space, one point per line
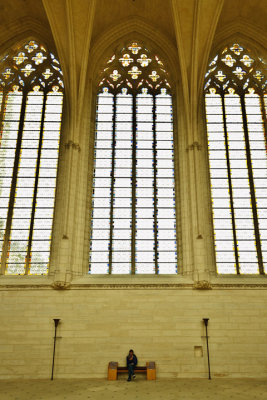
182 389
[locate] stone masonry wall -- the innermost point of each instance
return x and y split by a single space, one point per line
163 325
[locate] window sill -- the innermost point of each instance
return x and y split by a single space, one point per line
239 281
23 281
132 281
125 282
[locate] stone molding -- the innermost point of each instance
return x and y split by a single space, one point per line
23 29
156 286
19 287
132 27
239 286
241 30
61 285
202 285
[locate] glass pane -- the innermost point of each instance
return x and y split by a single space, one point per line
145 268
121 267
25 186
222 215
100 225
257 143
144 180
121 234
119 189
166 234
46 189
98 267
8 144
241 196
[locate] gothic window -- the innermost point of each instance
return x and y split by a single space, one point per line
235 94
133 229
31 97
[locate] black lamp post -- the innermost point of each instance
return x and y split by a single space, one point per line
56 321
206 321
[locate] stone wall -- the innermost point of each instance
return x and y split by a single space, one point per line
99 325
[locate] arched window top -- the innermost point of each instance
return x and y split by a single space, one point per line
133 225
31 100
236 100
30 67
236 68
134 67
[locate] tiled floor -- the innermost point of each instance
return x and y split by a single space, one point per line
182 389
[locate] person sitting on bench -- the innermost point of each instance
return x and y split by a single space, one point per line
131 364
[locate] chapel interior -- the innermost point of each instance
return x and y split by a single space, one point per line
159 314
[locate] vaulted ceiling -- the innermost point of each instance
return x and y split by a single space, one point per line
182 22
75 28
18 16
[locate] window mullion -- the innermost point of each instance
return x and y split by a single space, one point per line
13 183
3 104
112 182
28 257
2 108
155 187
230 186
264 117
251 185
133 188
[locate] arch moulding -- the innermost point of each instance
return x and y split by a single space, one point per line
133 29
20 31
250 36
238 31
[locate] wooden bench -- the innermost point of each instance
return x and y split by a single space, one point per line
149 369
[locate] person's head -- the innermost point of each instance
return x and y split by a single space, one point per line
131 352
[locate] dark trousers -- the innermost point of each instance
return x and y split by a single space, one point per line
130 371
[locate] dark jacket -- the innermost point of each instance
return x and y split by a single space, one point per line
133 361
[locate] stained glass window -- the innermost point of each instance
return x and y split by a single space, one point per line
31 106
235 95
133 228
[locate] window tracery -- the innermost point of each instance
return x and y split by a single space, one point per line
133 218
235 97
31 93
135 68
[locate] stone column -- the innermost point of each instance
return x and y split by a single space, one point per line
66 209
199 212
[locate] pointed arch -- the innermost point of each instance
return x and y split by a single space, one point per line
244 32
22 30
236 95
31 91
133 29
133 218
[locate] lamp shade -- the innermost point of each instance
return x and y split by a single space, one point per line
56 321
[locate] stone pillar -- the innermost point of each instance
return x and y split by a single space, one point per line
66 208
199 215
84 180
